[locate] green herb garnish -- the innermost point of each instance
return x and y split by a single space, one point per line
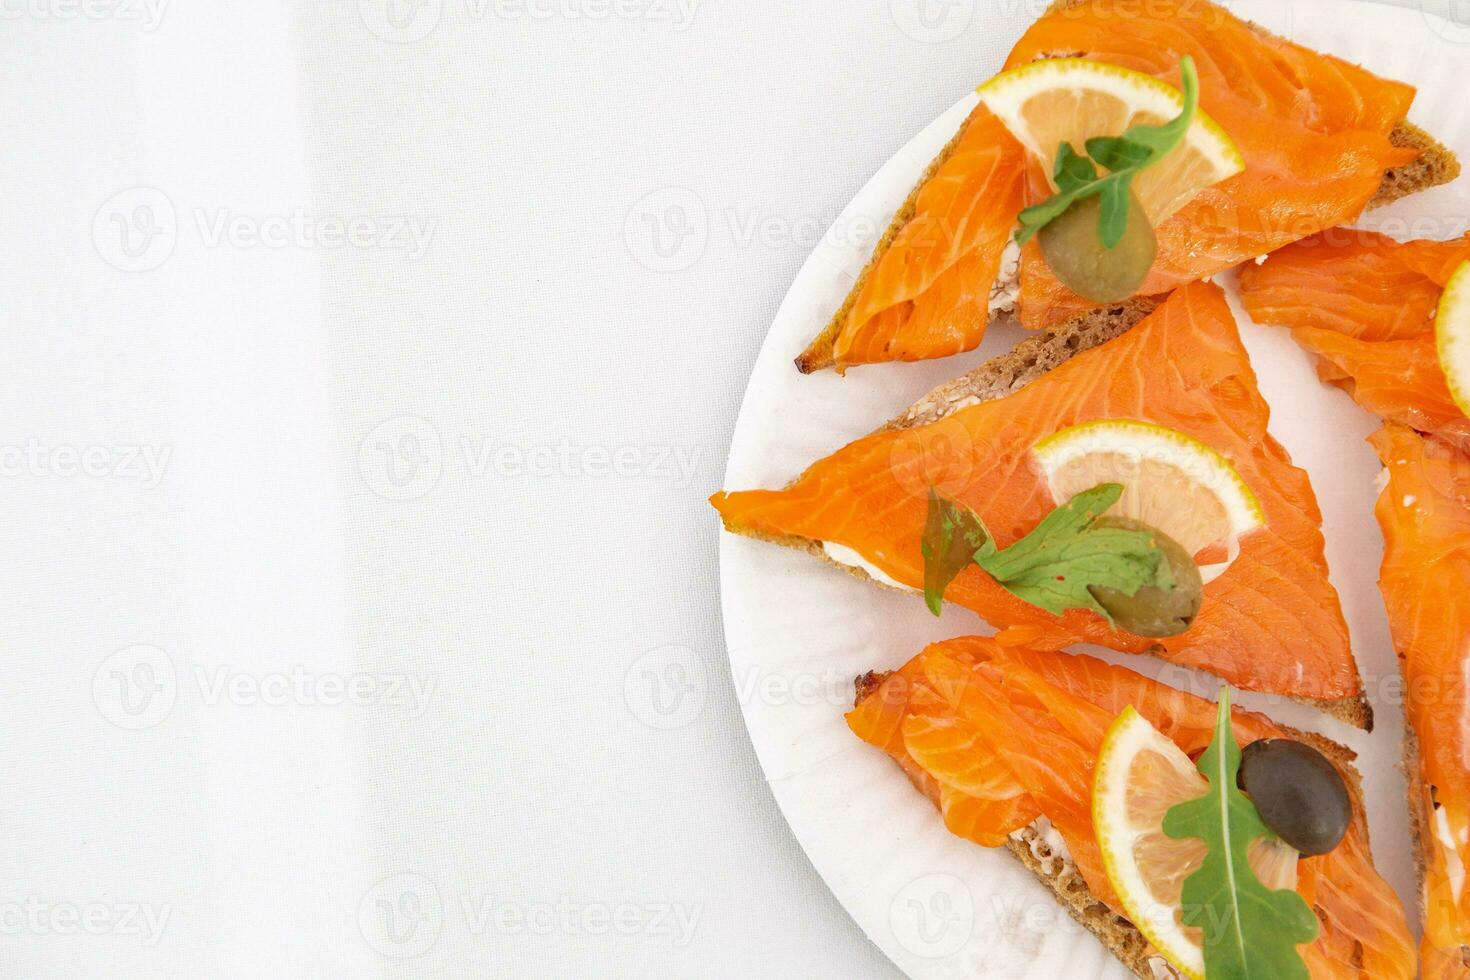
1124 157
1251 932
1053 567
953 536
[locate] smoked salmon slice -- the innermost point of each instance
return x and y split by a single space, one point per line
1424 511
1271 622
1318 135
1033 722
1365 305
1315 132
928 294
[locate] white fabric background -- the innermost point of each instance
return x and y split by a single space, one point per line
476 463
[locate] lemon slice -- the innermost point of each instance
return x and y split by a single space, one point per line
1070 100
1170 481
1452 333
1140 776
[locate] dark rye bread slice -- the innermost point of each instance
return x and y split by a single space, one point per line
1436 165
1008 373
1421 806
1114 931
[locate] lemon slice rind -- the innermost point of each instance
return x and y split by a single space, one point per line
1171 481
1452 336
1130 736
1057 100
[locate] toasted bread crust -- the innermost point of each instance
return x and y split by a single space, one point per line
1120 936
1028 361
1003 375
1436 165
818 354
1420 806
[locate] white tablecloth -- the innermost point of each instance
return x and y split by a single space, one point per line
366 368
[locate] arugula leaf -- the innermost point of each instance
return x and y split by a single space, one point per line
953 536
1056 564
1073 175
1251 932
1053 567
1163 138
1116 203
1073 170
1124 157
1117 153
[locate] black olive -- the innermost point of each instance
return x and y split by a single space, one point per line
1152 611
1300 795
1073 247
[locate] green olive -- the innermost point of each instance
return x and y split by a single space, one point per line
1073 247
1152 611
1298 792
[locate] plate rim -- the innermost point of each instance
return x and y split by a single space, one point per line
746 434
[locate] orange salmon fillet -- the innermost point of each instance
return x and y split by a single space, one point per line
1425 514
929 293
1033 722
1314 131
1270 623
1365 304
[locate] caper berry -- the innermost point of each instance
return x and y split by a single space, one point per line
1299 793
1152 611
1073 247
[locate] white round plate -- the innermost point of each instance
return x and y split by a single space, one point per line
800 631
